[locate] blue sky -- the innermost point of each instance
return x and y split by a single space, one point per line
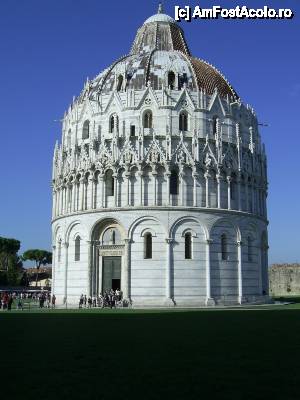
49 47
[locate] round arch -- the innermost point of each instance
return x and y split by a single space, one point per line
229 222
72 225
102 224
143 219
187 218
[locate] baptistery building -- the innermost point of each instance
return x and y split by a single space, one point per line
160 182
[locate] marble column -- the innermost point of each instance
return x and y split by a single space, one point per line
53 269
100 271
74 199
154 176
240 276
181 188
116 185
94 282
127 178
82 183
90 268
207 176
101 190
229 180
239 206
65 198
209 300
140 174
57 203
219 180
68 190
65 300
169 242
195 200
168 175
53 203
60 201
96 263
92 191
125 270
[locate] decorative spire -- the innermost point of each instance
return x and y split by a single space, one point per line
160 8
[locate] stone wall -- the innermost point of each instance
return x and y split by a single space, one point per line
284 279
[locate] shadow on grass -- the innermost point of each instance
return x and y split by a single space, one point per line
151 354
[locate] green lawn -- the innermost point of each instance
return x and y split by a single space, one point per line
126 354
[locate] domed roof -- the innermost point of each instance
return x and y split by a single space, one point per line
160 17
159 48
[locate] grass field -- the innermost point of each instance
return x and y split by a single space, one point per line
126 354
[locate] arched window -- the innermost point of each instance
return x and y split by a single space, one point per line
111 237
86 130
182 80
120 83
214 124
250 248
148 245
147 120
132 130
188 246
174 183
183 121
59 251
109 183
224 247
77 248
111 124
171 80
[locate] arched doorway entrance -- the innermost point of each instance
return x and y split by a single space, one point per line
109 258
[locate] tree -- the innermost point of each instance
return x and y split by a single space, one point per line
40 257
14 270
8 247
10 263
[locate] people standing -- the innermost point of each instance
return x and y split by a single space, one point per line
53 300
89 302
9 302
20 303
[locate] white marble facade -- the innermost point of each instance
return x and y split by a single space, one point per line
160 182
